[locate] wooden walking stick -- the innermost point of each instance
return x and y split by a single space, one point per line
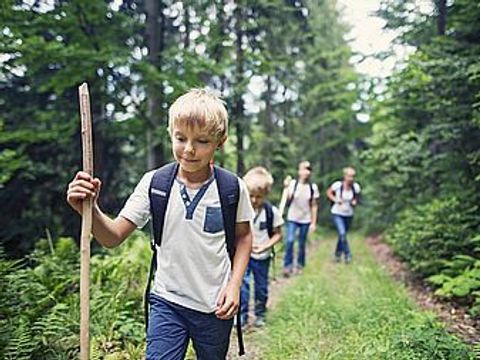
87 153
283 200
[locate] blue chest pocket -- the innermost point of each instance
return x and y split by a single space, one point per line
213 220
263 225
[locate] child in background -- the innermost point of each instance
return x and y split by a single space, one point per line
266 233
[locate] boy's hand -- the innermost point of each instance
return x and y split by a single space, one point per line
354 202
287 181
257 249
228 302
312 228
80 188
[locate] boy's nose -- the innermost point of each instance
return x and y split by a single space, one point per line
189 148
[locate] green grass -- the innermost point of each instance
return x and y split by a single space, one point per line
355 311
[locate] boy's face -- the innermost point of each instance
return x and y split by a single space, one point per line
257 198
304 172
193 148
349 177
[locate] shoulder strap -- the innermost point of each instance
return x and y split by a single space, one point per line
229 192
311 191
159 193
269 215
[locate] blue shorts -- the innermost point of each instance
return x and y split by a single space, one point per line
171 326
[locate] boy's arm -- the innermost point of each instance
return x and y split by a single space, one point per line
276 237
331 195
110 232
314 209
229 299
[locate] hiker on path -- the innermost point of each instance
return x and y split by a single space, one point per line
267 231
201 219
301 216
344 196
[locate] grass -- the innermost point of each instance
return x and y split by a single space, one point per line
355 311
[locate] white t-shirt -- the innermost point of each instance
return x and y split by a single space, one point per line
193 265
346 208
260 232
300 210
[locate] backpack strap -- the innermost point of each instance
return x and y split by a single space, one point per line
158 193
269 219
269 215
229 192
311 192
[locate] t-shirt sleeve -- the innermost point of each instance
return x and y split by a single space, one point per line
244 210
336 186
357 187
137 207
316 193
277 217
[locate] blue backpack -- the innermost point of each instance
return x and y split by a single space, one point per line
159 194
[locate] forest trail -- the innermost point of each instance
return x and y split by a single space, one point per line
340 311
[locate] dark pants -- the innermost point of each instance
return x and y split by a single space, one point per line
171 326
292 228
342 223
259 269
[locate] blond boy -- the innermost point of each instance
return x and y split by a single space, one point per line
267 232
197 276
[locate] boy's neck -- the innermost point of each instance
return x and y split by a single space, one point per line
258 208
197 177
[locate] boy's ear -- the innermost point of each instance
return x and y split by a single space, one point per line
221 142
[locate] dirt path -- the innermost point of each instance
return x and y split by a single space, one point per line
278 285
455 317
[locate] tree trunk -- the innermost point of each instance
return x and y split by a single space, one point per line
186 15
268 124
442 16
155 32
238 102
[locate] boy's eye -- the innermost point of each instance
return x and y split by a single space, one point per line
203 141
180 138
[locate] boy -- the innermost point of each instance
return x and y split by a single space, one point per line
344 196
196 286
302 216
266 233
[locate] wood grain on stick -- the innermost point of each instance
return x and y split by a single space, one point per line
87 153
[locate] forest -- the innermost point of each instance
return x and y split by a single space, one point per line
284 70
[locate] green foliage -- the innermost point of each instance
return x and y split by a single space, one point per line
422 158
39 303
427 341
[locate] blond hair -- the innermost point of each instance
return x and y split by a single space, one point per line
199 108
258 179
304 164
350 170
